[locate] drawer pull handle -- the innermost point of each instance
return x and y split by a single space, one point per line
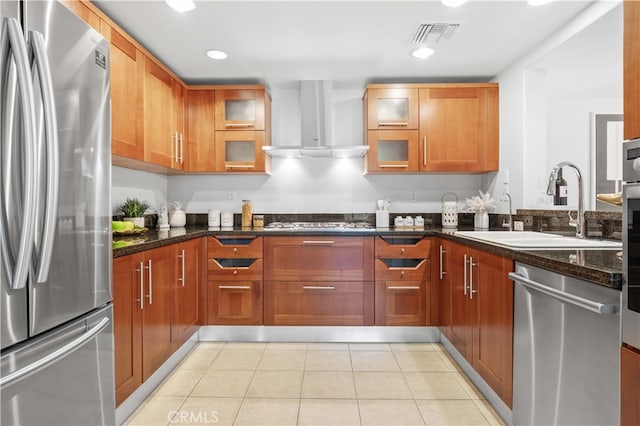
235 249
318 287
318 242
402 250
385 123
235 287
235 272
239 166
239 124
393 166
402 268
402 273
403 287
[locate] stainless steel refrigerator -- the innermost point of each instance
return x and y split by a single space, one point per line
56 360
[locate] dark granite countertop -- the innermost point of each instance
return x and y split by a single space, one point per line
601 267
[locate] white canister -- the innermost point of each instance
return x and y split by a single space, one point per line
382 218
449 212
226 220
398 221
214 218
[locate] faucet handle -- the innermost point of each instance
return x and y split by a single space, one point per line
573 221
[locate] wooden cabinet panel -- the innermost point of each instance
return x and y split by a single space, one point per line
461 308
441 284
234 302
629 385
385 270
240 109
126 81
318 258
226 269
179 153
401 303
158 124
126 328
493 330
392 108
402 247
631 69
189 260
392 151
318 303
201 133
458 129
234 247
239 151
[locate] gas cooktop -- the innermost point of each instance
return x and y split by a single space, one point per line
318 226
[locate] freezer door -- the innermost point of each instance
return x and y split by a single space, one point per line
65 377
75 276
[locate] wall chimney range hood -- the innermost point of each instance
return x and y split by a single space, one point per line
316 110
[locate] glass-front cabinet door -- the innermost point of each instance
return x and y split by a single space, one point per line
240 109
392 151
240 151
392 108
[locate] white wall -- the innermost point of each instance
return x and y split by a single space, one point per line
127 183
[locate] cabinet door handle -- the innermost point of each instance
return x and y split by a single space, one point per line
442 271
403 287
424 150
182 261
175 147
465 275
150 268
393 166
235 287
141 280
239 124
393 123
318 242
318 287
181 148
471 265
239 166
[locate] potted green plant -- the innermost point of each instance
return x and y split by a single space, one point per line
133 210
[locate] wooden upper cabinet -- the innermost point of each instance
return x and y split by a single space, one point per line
127 70
392 108
459 129
159 146
392 151
83 12
631 69
239 151
240 109
180 151
201 132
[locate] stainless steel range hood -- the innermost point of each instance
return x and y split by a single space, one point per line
316 108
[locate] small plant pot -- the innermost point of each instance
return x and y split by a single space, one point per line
137 221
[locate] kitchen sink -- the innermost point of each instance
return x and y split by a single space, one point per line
538 240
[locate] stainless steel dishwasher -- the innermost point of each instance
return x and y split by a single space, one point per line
566 343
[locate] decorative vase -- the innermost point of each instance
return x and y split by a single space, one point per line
177 218
481 220
137 221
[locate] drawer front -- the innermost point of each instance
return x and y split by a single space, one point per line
405 247
401 303
217 270
420 272
234 302
318 258
221 247
319 303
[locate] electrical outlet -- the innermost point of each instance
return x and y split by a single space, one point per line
518 225
412 197
231 196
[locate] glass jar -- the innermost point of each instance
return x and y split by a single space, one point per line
247 212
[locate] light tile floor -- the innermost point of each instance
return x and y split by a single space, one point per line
316 384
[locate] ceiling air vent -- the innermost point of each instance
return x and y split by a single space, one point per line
436 33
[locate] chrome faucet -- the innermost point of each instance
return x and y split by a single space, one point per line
579 222
507 197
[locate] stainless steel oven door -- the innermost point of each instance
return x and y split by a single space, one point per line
631 264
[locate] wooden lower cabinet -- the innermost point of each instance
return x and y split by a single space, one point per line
629 386
318 303
189 258
234 303
481 321
401 303
153 312
441 286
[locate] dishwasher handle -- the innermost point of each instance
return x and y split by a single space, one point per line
590 305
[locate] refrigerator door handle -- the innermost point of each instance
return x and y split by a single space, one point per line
12 44
54 356
41 61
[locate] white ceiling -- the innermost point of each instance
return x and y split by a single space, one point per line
351 42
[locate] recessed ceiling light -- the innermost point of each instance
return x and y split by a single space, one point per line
538 2
217 54
422 52
181 5
453 3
